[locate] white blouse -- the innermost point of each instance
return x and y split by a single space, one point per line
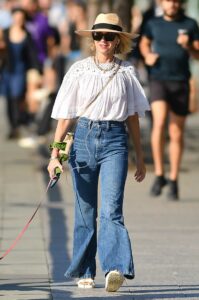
122 97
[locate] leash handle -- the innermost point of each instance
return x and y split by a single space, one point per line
62 158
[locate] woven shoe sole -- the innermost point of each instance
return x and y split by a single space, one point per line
114 280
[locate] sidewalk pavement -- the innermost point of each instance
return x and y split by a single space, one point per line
164 234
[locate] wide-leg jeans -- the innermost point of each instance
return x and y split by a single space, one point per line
99 151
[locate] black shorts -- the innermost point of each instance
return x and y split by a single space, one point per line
175 93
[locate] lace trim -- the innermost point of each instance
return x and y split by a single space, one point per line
87 65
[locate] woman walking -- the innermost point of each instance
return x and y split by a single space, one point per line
103 92
20 57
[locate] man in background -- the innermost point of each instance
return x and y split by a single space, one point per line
166 45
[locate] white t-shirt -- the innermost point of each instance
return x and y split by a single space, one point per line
122 97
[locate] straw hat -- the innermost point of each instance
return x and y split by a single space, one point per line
109 23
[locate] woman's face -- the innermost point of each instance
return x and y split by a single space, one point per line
105 42
18 18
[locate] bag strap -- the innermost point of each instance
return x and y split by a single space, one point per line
103 88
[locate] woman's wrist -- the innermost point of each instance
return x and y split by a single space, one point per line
55 152
54 157
58 145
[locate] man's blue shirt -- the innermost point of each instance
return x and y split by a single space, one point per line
173 62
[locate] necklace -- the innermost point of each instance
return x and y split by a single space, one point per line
103 69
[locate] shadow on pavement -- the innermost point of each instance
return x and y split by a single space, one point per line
22 287
57 232
148 292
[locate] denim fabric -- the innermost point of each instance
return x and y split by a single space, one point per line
15 85
99 151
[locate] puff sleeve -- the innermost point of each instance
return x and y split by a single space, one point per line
136 98
66 102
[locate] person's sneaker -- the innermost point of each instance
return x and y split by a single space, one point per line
173 193
157 186
114 280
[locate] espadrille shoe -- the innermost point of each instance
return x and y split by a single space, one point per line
114 280
86 283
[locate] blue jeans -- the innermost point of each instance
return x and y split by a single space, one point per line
100 151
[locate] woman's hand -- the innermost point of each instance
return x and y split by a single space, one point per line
134 130
53 164
140 170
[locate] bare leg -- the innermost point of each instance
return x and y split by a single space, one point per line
176 134
159 114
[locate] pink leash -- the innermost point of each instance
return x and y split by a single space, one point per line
50 184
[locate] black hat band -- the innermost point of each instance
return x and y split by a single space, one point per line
106 26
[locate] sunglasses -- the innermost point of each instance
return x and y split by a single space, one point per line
107 36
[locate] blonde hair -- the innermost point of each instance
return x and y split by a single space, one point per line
125 46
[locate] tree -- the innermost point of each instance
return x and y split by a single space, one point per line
123 9
92 11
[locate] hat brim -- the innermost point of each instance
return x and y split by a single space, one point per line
87 33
